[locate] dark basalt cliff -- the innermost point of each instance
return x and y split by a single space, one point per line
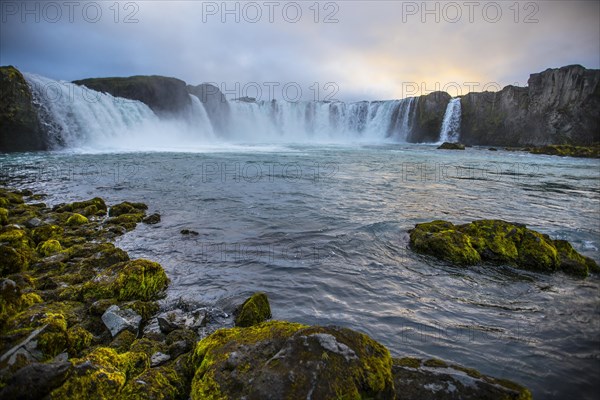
559 106
215 103
165 96
428 117
20 128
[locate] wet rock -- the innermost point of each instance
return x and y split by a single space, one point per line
127 208
35 381
77 219
277 360
493 149
159 358
33 223
254 310
415 379
499 242
178 319
189 232
451 146
117 320
152 219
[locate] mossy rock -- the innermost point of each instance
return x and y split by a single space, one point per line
498 242
441 239
416 379
102 374
162 383
134 280
3 216
291 361
253 311
13 259
46 232
128 221
77 219
565 150
49 247
127 208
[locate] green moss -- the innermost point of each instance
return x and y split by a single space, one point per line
14 259
573 263
53 339
494 240
498 242
122 342
106 375
435 363
46 232
364 371
3 216
49 247
537 252
441 239
141 280
128 221
254 310
148 346
77 219
127 208
146 309
409 362
155 384
78 339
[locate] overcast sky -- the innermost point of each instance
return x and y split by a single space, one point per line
358 49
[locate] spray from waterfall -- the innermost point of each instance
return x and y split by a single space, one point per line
76 117
450 131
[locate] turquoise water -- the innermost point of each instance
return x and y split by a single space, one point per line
324 231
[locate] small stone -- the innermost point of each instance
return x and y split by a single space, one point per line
117 320
33 223
159 358
152 219
178 319
451 146
189 232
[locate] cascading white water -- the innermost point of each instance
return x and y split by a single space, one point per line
80 118
450 131
321 121
76 117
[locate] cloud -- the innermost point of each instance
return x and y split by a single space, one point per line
374 50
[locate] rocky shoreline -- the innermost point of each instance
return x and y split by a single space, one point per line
80 319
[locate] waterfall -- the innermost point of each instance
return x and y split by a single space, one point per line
450 131
75 117
321 121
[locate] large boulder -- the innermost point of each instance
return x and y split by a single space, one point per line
20 128
165 96
283 360
499 242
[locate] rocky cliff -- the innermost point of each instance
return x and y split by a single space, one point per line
215 103
559 106
20 128
165 96
428 117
